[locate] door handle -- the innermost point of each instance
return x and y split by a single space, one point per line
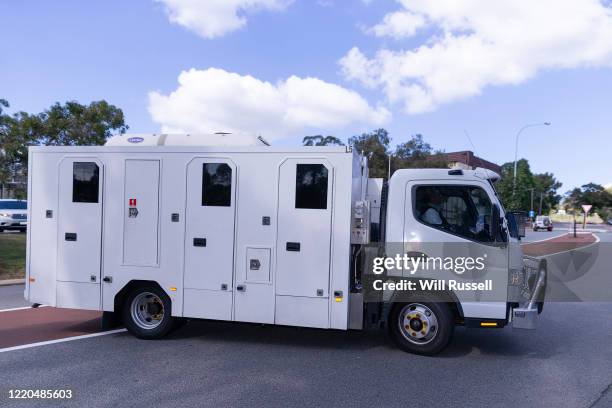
108 279
293 246
241 288
416 254
70 236
199 242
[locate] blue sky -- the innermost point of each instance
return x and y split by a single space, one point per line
123 51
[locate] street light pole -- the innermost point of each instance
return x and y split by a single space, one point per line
516 149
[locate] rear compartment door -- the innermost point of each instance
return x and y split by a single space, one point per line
304 242
81 181
209 238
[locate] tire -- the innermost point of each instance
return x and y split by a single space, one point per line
1 229
436 328
535 229
147 312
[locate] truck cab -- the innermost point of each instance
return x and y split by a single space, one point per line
441 213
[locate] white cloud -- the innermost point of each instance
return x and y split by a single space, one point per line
214 18
214 100
478 43
399 24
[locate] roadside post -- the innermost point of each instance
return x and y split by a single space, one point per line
586 208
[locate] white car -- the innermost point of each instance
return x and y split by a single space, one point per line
542 222
13 215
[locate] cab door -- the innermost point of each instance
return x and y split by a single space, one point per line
81 182
209 238
445 219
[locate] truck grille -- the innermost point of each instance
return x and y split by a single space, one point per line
19 216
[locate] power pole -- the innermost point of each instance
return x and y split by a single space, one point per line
541 199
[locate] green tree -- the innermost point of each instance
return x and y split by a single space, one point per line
527 183
520 198
319 140
593 194
70 124
416 153
375 146
546 187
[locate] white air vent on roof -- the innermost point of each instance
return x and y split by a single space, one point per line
212 139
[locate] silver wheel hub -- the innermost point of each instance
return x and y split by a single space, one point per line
147 310
417 323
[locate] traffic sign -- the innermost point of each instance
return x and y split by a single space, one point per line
586 208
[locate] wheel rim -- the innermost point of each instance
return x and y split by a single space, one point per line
418 323
147 310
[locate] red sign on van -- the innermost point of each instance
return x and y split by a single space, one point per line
132 202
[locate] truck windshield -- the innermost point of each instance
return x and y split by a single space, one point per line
13 205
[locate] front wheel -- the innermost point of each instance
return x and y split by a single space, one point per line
422 327
147 312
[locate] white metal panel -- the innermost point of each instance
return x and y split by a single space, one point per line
169 271
302 311
208 262
255 303
79 259
42 228
207 304
141 215
78 295
305 271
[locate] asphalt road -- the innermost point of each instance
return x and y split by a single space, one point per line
12 296
566 362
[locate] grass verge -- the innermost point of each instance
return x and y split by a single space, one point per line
12 255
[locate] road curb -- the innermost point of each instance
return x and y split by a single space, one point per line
8 282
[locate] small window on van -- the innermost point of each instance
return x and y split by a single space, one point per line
465 211
85 182
311 186
217 185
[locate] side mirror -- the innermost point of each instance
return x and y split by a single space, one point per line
517 223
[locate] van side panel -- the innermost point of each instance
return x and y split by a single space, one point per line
42 228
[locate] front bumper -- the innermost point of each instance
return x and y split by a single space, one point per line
532 293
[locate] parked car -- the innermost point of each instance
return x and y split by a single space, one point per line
13 215
542 222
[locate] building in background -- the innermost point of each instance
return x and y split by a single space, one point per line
467 160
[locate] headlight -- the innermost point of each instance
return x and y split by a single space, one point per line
6 215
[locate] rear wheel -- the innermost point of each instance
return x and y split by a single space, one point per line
422 327
1 229
147 312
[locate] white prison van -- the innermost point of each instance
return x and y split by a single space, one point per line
154 229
